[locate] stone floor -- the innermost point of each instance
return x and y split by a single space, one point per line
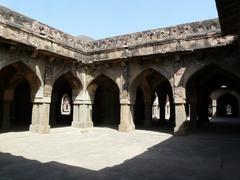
103 153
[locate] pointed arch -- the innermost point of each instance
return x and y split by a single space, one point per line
162 71
65 92
94 83
19 88
200 86
74 82
142 91
104 94
150 72
14 73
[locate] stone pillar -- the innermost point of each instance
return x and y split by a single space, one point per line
35 118
82 116
148 115
155 111
6 113
214 108
89 115
162 103
193 114
40 116
75 121
162 111
167 110
126 116
155 108
180 113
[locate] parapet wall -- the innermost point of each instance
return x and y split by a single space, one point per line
167 39
179 32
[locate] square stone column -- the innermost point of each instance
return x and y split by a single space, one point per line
181 127
126 116
40 116
82 111
6 113
148 115
76 114
214 108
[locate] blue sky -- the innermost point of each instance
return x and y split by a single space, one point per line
104 18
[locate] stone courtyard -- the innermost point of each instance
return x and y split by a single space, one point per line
120 107
104 153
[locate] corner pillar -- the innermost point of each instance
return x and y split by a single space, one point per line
6 113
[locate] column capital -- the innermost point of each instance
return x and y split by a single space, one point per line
42 100
83 102
127 102
179 100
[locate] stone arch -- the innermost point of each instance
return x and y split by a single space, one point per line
104 94
98 76
194 68
190 71
200 86
72 73
65 86
143 97
30 66
135 80
161 71
19 88
224 91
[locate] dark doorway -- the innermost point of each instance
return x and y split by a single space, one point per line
146 86
21 109
19 85
139 109
106 106
199 89
61 89
227 106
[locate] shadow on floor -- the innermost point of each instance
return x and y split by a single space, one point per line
15 129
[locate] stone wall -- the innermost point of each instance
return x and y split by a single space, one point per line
173 55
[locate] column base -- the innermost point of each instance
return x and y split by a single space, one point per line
76 124
89 124
126 127
182 130
39 129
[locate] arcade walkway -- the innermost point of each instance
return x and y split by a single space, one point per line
103 153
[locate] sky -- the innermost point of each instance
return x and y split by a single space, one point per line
105 18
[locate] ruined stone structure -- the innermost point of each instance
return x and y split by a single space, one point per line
112 81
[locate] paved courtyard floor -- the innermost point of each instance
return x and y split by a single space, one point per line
104 153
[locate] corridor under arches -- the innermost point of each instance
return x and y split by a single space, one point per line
104 94
64 92
211 106
147 112
18 86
